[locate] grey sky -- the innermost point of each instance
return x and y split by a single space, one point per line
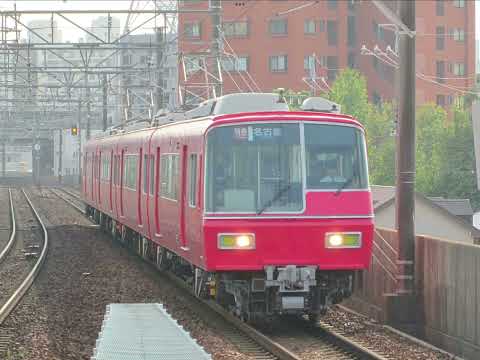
71 32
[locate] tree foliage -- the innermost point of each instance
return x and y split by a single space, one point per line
350 91
445 160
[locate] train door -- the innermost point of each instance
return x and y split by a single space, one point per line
99 178
121 178
116 182
141 178
110 181
148 179
183 198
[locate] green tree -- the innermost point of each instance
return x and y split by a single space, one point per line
350 91
457 175
431 132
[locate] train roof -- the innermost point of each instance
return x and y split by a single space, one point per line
230 108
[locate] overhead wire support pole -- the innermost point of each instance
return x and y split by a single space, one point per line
405 196
160 40
216 48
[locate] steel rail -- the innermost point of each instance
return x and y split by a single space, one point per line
349 343
13 301
11 241
75 206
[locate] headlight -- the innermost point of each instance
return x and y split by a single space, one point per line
343 240
236 241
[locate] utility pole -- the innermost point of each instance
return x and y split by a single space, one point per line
87 97
405 171
104 102
215 11
160 38
4 159
79 134
60 153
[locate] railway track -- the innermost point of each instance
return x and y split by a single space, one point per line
21 258
253 342
69 197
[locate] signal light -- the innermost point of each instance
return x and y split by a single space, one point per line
74 131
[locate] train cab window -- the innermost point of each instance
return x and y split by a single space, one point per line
130 172
192 180
335 157
152 174
169 176
254 169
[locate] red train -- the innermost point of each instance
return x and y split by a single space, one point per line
267 211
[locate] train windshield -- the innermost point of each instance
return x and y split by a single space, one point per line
335 157
254 168
259 168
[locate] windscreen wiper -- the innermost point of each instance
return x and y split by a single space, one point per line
274 198
344 185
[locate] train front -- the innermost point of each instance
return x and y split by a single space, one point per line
288 212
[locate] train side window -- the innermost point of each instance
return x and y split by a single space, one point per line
145 172
105 173
169 176
152 174
130 171
192 180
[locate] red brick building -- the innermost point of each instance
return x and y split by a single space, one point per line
302 45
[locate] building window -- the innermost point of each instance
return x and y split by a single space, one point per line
375 63
192 30
351 31
449 99
130 172
332 67
278 63
459 3
332 32
309 26
441 100
309 63
352 61
239 63
321 25
192 64
332 4
459 69
278 27
378 31
440 38
458 34
235 29
440 8
192 180
440 71
169 176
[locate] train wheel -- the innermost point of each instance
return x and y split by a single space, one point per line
163 263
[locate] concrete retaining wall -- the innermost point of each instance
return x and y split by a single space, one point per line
447 303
